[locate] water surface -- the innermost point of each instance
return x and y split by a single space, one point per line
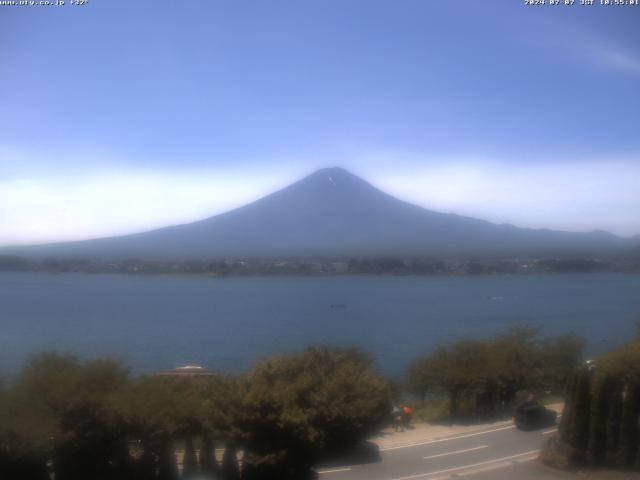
158 322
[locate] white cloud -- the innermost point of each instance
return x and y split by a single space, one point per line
589 46
568 196
36 210
53 202
620 60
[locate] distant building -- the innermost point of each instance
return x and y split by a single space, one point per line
339 267
187 371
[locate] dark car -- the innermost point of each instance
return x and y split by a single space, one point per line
531 415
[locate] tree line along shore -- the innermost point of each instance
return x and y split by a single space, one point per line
79 419
327 266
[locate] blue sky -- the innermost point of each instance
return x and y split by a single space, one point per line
122 116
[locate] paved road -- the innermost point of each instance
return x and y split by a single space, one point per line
502 450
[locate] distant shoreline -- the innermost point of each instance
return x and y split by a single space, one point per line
328 267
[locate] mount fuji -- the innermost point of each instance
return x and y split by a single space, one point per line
333 213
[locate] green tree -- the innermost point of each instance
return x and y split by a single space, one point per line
600 422
613 427
516 362
579 428
23 452
628 443
150 407
295 407
601 395
459 369
62 408
566 421
622 365
495 369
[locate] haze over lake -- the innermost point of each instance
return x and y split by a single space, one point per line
160 322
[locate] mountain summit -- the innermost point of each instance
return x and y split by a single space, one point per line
332 212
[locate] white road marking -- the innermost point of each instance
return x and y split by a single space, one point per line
495 466
334 470
462 467
456 452
447 439
547 432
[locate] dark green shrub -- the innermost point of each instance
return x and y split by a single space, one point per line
596 448
297 407
579 427
628 443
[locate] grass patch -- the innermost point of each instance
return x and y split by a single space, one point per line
432 411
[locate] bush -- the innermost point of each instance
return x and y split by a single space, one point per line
297 407
602 412
432 411
62 409
489 373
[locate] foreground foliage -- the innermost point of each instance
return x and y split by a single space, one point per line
599 427
485 376
298 407
92 420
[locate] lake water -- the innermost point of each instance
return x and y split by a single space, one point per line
160 322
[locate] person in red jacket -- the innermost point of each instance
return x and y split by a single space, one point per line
407 413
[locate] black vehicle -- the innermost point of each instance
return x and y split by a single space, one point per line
531 415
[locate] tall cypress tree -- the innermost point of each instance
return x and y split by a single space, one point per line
596 448
568 413
579 429
613 424
628 442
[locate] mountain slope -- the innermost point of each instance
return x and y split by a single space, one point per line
332 212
